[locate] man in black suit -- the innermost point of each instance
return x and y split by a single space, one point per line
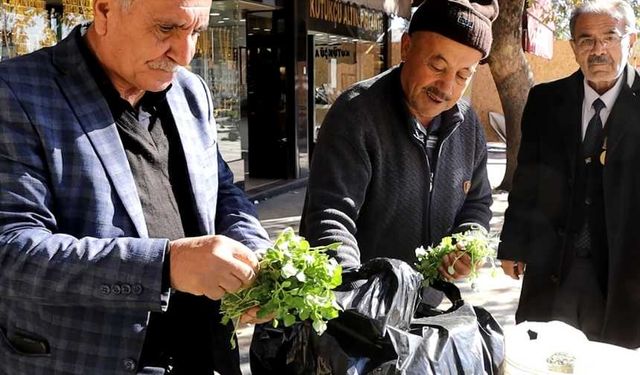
571 217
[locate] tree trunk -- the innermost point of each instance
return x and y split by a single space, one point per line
512 76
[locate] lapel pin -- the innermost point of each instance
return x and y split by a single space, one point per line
603 154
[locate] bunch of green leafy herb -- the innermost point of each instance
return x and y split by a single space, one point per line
478 244
295 282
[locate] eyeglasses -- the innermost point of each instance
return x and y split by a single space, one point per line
588 43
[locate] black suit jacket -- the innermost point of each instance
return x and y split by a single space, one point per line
538 228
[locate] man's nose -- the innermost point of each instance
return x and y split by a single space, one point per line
182 48
600 47
445 85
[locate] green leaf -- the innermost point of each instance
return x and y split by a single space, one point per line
289 270
478 244
304 315
319 326
304 246
334 246
289 320
295 282
301 277
262 313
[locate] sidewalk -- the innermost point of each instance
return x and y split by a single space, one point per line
498 294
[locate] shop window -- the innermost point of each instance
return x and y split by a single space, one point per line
220 59
340 62
28 25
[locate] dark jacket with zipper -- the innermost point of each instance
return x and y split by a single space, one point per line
370 185
539 227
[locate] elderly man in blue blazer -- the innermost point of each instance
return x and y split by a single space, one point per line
120 225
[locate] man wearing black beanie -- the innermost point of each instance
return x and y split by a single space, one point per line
401 159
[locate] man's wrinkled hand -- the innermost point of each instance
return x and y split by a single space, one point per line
513 268
460 262
211 265
251 316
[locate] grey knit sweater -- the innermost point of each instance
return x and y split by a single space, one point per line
369 185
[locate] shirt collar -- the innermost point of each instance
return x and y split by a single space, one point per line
434 124
608 98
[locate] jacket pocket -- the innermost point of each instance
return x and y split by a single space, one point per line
18 343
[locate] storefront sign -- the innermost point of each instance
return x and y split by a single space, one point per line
343 18
401 8
343 53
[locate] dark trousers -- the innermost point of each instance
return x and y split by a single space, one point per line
579 301
189 339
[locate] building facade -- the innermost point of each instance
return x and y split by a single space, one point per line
274 68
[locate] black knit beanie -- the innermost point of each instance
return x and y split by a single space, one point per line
465 21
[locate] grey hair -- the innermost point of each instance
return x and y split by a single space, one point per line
617 9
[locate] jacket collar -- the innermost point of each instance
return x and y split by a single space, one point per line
92 111
569 111
625 116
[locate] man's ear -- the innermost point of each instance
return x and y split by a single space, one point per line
101 10
405 46
633 37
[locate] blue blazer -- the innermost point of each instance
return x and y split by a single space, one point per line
77 269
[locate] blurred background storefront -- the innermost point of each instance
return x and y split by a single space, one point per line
274 68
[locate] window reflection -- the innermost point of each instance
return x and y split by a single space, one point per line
339 62
219 60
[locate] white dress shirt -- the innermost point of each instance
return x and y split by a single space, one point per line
609 99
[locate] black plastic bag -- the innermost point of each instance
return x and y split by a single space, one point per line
378 333
382 293
461 340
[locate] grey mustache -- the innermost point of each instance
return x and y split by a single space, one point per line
598 59
165 65
434 91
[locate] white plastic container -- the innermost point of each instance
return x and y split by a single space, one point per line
525 355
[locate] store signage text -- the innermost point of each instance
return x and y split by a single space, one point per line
332 52
347 14
344 53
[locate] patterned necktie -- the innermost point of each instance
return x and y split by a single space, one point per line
594 135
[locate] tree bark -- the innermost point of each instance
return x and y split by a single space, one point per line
512 76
